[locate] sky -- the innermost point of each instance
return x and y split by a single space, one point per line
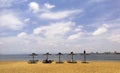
54 26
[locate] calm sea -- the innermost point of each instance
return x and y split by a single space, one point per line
26 57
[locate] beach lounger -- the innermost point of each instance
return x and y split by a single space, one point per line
32 61
47 61
71 62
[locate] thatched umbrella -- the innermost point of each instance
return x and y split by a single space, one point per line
72 59
59 55
33 55
47 55
84 53
84 56
33 60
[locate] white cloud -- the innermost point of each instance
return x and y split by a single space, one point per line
38 30
54 29
25 38
11 21
78 28
34 6
49 6
45 12
27 19
59 15
115 38
75 36
101 30
22 35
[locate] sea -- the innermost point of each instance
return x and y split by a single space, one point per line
65 57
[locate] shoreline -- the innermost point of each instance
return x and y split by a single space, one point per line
64 62
118 60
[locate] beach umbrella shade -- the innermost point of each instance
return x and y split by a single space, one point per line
59 55
33 55
72 56
47 54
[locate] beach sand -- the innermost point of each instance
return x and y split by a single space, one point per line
91 67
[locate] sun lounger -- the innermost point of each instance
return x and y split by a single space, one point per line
47 61
71 62
32 61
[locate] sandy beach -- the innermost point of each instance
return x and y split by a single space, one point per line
91 67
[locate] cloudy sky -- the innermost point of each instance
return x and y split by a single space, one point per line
54 26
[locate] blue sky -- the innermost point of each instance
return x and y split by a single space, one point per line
54 26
